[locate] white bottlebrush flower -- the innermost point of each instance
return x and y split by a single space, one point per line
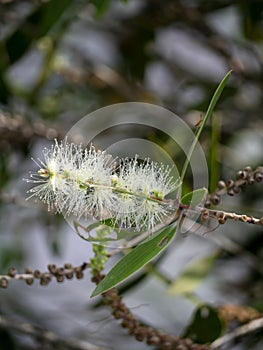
145 184
84 182
90 192
51 175
68 179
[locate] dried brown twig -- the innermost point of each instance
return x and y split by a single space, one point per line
59 273
245 330
15 127
42 335
152 336
222 216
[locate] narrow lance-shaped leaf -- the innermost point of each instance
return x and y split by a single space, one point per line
135 260
208 114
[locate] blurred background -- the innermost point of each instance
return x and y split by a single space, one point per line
59 61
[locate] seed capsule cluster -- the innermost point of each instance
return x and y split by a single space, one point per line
54 272
232 187
152 336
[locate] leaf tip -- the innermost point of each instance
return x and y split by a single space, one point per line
95 293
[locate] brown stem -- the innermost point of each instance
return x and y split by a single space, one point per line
245 330
152 336
222 216
59 273
46 336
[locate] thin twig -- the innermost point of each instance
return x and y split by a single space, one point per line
222 216
59 273
12 125
45 335
239 332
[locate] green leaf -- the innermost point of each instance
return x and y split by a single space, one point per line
195 198
135 260
206 325
193 276
208 114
